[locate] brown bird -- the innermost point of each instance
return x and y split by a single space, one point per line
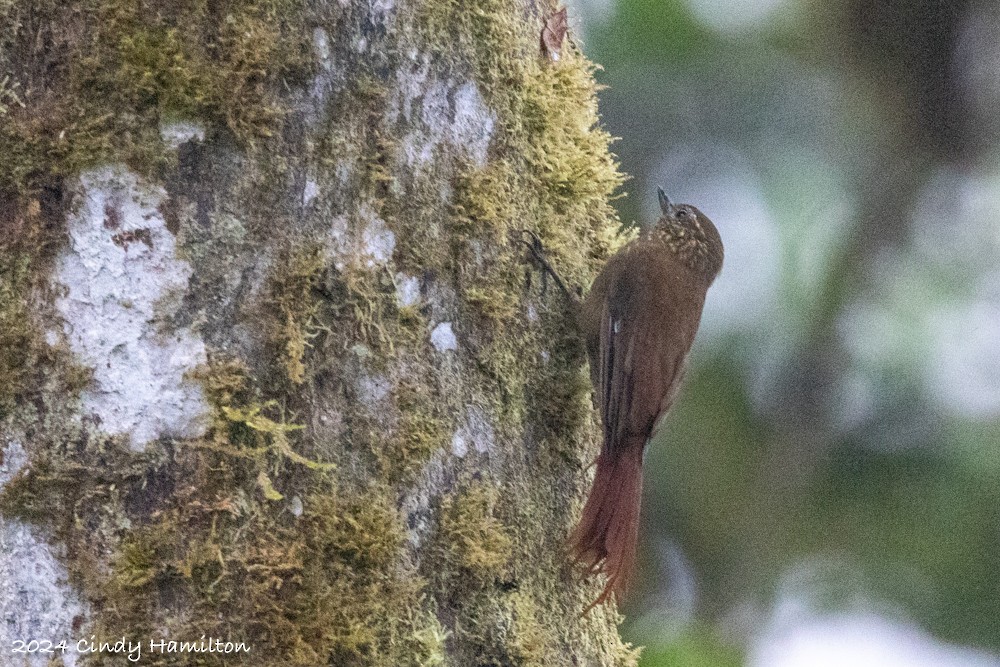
639 321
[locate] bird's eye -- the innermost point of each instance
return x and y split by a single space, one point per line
682 214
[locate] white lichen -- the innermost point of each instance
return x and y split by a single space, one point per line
121 286
180 132
407 290
472 124
321 46
309 192
459 444
323 83
337 242
12 459
416 503
36 602
443 338
295 506
377 240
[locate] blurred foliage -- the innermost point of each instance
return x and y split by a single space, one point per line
842 412
695 648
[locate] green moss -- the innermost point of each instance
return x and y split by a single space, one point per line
226 382
472 568
628 655
495 304
563 171
363 535
17 333
559 395
485 203
420 431
140 562
294 301
247 428
569 155
115 68
360 308
189 530
472 538
220 62
26 248
161 70
370 613
464 27
551 170
301 594
532 641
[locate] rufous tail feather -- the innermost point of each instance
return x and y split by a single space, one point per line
606 537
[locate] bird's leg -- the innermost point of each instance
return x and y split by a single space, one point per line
538 253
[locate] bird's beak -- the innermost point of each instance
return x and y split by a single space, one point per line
665 204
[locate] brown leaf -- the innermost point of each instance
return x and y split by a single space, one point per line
553 34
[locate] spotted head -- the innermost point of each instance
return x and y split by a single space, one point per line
690 235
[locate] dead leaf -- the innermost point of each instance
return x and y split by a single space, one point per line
554 33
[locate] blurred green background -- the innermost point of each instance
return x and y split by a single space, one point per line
826 491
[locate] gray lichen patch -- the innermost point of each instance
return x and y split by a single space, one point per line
363 240
378 241
475 431
447 116
13 457
309 192
372 389
121 281
324 81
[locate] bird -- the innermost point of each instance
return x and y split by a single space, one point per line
638 321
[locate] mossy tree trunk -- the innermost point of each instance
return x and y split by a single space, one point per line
272 368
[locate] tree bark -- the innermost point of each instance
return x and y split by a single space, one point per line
273 368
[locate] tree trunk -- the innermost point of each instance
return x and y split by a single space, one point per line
273 368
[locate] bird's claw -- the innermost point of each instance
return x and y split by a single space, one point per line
537 249
534 245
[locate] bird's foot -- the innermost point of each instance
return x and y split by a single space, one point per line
537 250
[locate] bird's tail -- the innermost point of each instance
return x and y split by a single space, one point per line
605 539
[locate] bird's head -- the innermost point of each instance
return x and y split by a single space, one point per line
689 234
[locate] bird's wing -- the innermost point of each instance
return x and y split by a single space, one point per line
644 340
